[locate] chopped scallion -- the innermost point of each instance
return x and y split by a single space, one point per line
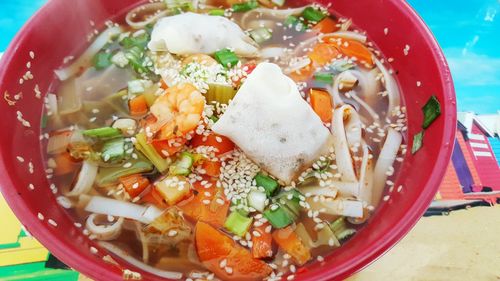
43 123
217 12
102 60
113 150
150 152
104 132
226 57
220 93
418 141
278 217
296 23
213 118
324 77
269 184
244 7
260 34
238 224
313 14
182 167
432 109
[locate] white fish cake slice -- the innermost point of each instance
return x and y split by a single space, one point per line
273 125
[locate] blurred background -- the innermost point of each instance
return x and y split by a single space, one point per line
458 239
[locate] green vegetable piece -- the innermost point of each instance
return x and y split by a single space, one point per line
238 224
226 57
279 217
103 132
102 60
182 167
113 150
179 5
217 12
294 22
150 152
278 2
260 34
418 141
289 200
45 119
109 175
324 77
342 236
213 118
312 14
220 93
244 7
138 41
338 225
135 57
241 206
432 110
269 184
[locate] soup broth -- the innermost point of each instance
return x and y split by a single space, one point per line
224 140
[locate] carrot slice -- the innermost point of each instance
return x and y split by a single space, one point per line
196 208
353 48
262 246
65 164
327 25
153 197
288 240
167 147
163 85
220 143
134 184
321 103
212 168
323 54
138 106
213 246
302 74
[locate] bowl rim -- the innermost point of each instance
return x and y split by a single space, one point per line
392 236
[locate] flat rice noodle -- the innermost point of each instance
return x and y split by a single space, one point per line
346 131
118 208
144 242
150 11
131 260
339 207
316 190
366 178
85 59
385 160
85 179
323 237
392 89
104 232
306 44
95 84
276 14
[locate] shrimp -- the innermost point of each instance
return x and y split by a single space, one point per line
178 111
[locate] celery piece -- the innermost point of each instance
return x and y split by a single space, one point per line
418 142
324 77
238 224
260 34
290 201
216 12
150 152
113 150
102 60
109 175
244 7
103 132
220 93
313 14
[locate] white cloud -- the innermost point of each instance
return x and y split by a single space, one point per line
490 14
472 69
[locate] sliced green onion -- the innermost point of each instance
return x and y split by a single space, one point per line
278 217
294 22
257 200
290 201
240 206
226 57
269 184
418 141
138 41
312 14
213 118
220 93
432 110
135 57
260 34
104 132
150 152
45 118
110 175
102 60
217 12
238 224
339 66
340 229
113 150
179 5
324 77
345 234
182 167
244 7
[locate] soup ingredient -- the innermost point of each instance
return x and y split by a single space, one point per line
173 189
108 230
326 25
340 229
323 54
262 240
417 142
179 109
313 14
149 151
182 167
190 33
278 216
325 237
432 110
134 184
289 242
127 126
261 34
110 175
324 77
85 180
270 103
321 103
245 6
226 57
257 200
138 106
269 184
103 132
213 247
220 144
118 208
237 223
340 207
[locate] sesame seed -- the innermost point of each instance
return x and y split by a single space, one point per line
172 233
386 198
290 277
40 216
419 83
77 224
320 258
32 55
93 250
229 270
223 263
127 165
52 222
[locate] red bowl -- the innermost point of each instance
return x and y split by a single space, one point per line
59 29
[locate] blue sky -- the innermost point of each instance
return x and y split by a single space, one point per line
467 30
